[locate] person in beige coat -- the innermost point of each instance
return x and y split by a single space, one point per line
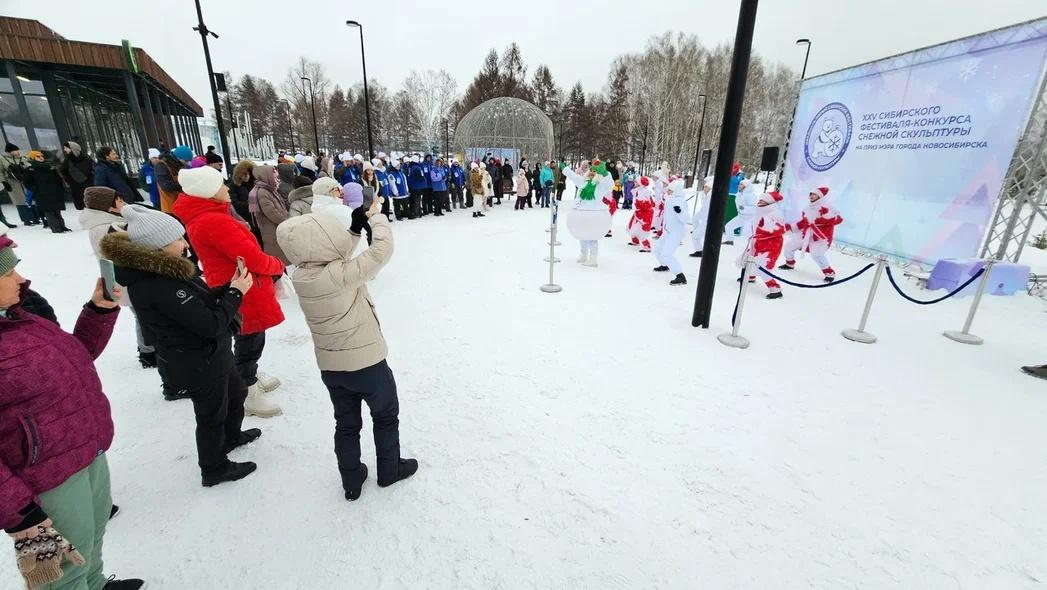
347 338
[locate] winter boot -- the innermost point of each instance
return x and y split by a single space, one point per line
1039 372
774 295
727 242
582 258
268 382
147 360
353 492
696 254
406 469
4 220
474 214
679 280
829 275
129 584
661 268
246 437
591 261
257 404
172 395
114 511
230 472
789 265
607 235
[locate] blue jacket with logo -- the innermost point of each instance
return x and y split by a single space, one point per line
400 180
458 176
348 174
439 178
417 176
383 182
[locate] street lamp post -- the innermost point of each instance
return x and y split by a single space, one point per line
447 138
290 131
232 125
367 95
312 100
698 148
204 32
792 121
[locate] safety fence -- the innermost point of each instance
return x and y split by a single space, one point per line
860 334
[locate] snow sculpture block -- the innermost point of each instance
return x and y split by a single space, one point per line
1007 278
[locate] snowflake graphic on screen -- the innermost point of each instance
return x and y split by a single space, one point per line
968 69
995 102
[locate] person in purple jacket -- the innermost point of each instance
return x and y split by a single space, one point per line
438 181
55 428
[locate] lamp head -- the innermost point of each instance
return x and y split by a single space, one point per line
353 23
802 41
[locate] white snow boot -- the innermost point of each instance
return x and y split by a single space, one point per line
268 382
257 404
583 258
591 261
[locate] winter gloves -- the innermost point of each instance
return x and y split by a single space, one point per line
359 220
40 551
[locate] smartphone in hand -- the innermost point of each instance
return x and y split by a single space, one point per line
108 278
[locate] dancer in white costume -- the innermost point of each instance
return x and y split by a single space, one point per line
675 231
746 200
701 217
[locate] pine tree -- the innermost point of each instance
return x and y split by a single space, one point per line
546 94
514 73
577 136
486 85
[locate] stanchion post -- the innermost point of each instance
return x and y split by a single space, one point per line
860 335
964 336
552 287
733 339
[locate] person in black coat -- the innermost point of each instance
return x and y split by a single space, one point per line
194 329
507 178
77 169
48 191
109 172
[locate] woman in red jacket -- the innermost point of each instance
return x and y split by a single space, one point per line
55 428
218 240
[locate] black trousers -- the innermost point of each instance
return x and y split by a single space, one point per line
416 202
376 386
55 221
77 191
439 197
456 196
402 208
219 409
428 203
247 349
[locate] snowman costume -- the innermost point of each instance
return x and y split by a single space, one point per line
813 233
701 217
675 231
589 218
643 215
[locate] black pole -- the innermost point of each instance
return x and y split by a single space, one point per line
643 147
732 118
290 131
792 120
447 137
367 95
202 29
312 101
803 74
698 148
232 127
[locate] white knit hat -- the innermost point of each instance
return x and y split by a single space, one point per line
202 182
308 163
324 186
474 166
376 162
154 153
151 228
298 158
358 158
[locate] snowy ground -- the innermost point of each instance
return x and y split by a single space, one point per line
593 439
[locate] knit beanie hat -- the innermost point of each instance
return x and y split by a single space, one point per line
183 152
153 153
10 147
324 186
352 194
298 158
8 260
99 198
198 162
308 163
202 182
212 158
151 228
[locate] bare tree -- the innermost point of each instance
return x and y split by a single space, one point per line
432 93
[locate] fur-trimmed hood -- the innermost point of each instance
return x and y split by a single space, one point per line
125 254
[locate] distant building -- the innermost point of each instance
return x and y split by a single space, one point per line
53 90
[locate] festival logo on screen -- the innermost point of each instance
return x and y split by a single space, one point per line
828 137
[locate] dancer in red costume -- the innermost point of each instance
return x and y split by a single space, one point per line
765 245
643 215
813 233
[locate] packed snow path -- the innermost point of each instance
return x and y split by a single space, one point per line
593 439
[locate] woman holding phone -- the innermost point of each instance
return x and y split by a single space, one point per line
194 326
218 239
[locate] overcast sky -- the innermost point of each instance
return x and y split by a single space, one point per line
264 37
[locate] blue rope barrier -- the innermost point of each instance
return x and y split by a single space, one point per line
822 286
890 277
734 314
